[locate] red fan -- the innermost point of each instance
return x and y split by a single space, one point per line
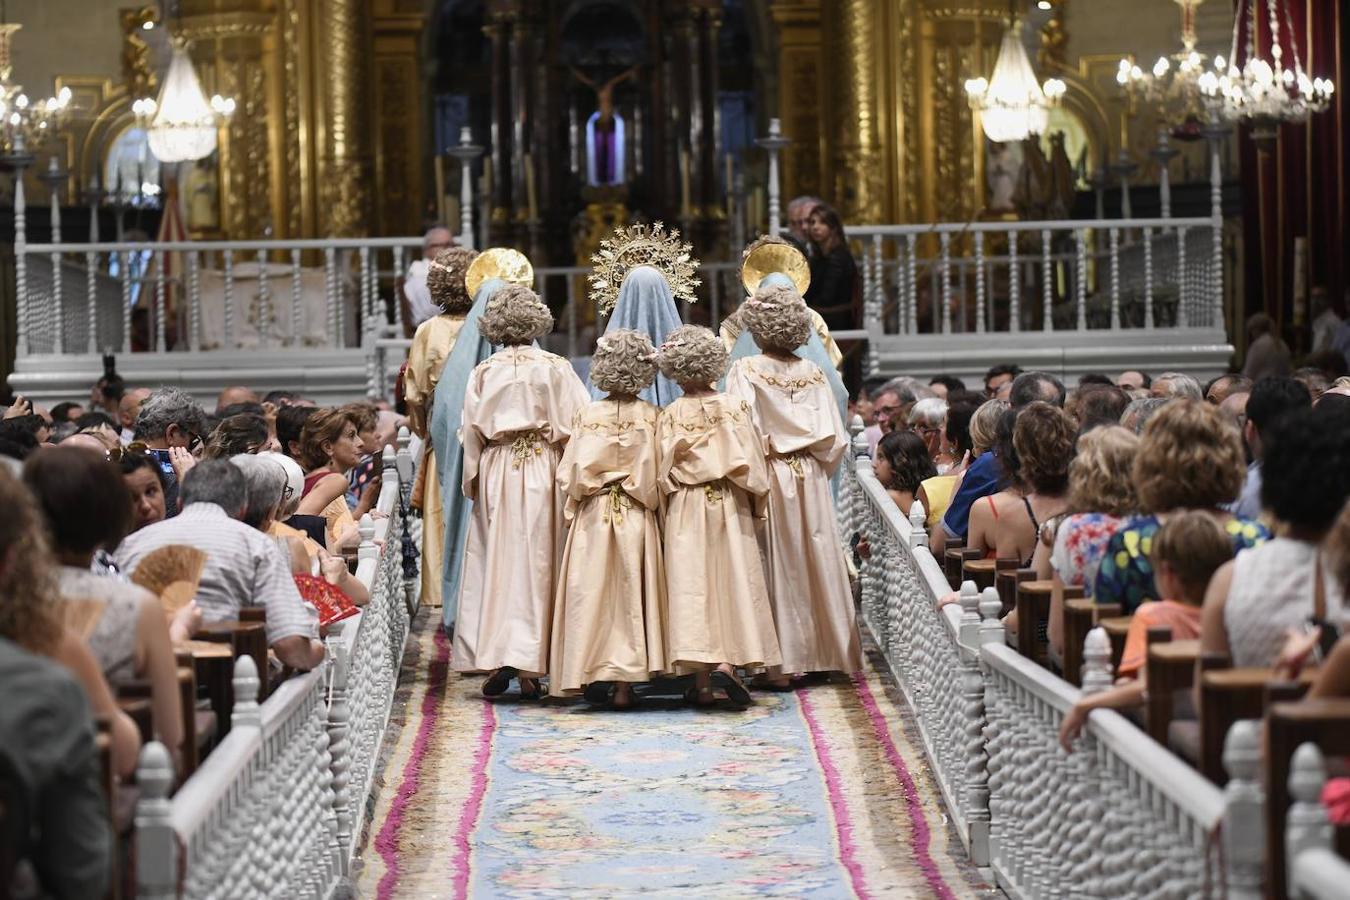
333 605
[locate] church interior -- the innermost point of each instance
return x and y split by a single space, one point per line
712 448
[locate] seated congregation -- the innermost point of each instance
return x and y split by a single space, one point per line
146 546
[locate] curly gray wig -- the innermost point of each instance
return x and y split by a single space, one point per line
445 279
624 362
776 318
692 355
169 406
515 315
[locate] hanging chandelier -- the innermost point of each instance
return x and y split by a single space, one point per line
1266 91
24 123
1175 84
181 125
1012 105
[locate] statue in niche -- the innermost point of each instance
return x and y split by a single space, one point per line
1003 166
605 131
203 196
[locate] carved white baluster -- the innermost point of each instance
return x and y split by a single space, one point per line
398 307
945 241
1148 277
161 301
91 301
1080 248
156 841
991 628
367 548
228 264
1047 282
1244 833
912 288
1114 234
339 744
125 271
332 297
1014 286
979 282
1185 312
918 537
194 290
970 614
297 300
245 712
1307 826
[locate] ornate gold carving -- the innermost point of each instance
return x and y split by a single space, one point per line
857 163
638 245
292 186
345 163
138 70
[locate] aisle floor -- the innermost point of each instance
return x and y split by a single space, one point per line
818 793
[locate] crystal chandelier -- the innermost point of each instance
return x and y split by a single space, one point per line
1265 93
24 123
1175 84
1012 105
181 126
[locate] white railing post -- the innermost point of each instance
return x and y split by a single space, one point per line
339 742
1214 135
1096 674
23 303
1164 154
1114 242
297 291
1080 246
979 282
912 285
1244 832
156 841
773 143
227 263
91 302
1307 826
1047 282
264 302
1014 286
466 152
1149 320
918 535
54 177
245 712
161 301
330 279
1184 299
876 326
969 633
945 241
194 291
125 268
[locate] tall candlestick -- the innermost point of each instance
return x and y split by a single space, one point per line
685 204
531 201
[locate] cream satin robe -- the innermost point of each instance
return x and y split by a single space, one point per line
712 470
798 420
610 615
518 412
431 345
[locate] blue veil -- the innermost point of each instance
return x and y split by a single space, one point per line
646 304
447 410
813 349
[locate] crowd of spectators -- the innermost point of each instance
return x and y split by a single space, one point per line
267 488
1218 510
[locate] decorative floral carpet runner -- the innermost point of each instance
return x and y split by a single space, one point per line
816 793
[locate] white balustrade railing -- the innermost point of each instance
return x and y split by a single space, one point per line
277 808
1119 817
1073 276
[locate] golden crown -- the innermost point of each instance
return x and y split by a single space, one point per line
638 245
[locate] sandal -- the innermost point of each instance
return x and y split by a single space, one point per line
496 684
599 693
693 697
531 689
735 691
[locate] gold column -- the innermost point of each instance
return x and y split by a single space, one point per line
859 176
801 75
399 108
231 45
345 161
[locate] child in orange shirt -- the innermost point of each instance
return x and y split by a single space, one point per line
1186 552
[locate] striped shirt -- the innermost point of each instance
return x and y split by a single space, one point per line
244 567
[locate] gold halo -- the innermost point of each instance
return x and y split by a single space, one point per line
767 256
499 262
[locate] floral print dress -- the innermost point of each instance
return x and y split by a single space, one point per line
1080 544
1126 573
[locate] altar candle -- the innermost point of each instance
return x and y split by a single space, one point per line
685 205
531 201
440 188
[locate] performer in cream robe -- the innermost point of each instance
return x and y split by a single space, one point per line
518 411
609 618
804 440
712 471
431 346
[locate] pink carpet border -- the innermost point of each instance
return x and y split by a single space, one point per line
386 842
843 822
920 836
473 805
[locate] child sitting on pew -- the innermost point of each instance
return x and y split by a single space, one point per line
1186 552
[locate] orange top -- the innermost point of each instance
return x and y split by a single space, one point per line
1182 618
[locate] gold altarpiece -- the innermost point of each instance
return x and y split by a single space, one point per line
328 134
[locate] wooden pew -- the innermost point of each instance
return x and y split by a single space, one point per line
243 638
1033 617
1228 695
1008 574
1116 628
1324 722
199 725
980 571
953 559
1170 667
1080 616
